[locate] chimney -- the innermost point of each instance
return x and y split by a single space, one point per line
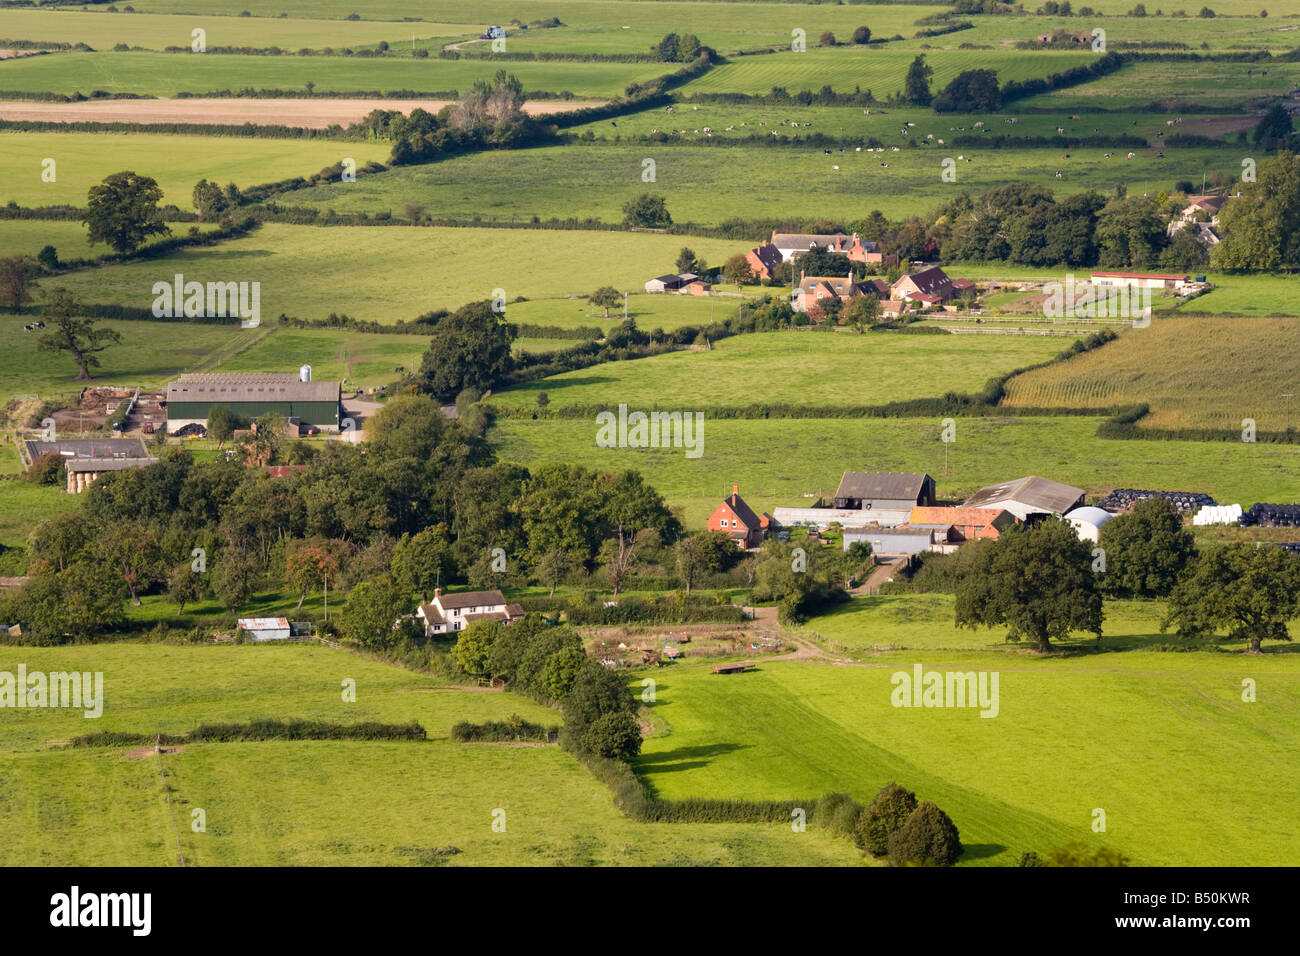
802 275
735 490
437 593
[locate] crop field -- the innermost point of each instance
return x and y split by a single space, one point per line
710 184
1210 373
1067 738
177 162
103 30
778 461
801 368
166 74
313 803
387 273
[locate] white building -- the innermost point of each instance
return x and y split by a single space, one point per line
261 629
1087 522
448 613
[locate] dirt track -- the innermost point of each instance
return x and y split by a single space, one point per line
309 113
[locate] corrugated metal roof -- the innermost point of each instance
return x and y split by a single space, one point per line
250 387
1039 494
894 486
263 623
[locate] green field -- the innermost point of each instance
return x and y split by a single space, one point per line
1160 742
1212 83
315 803
1185 387
776 461
879 70
176 162
103 30
23 506
164 74
361 358
709 185
389 273
648 311
149 354
801 368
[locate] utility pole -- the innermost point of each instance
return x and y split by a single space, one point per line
327 595
624 305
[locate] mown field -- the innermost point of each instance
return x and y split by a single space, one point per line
104 29
83 160
648 311
1160 742
149 354
1194 372
711 184
801 368
166 74
314 803
777 461
389 273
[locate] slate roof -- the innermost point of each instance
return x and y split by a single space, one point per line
743 511
881 484
1038 494
250 387
471 599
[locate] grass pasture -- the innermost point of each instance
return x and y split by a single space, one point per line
1068 737
777 461
176 162
162 74
1180 366
710 184
1208 83
805 368
314 803
102 29
387 273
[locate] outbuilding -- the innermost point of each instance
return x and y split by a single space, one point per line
259 629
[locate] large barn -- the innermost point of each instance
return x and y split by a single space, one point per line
1028 496
249 395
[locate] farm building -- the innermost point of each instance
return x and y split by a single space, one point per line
1087 522
448 613
1028 496
884 491
260 629
1140 280
736 519
249 395
669 283
763 261
963 524
903 539
85 459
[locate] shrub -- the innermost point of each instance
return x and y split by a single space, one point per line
46 470
927 837
614 736
885 816
862 35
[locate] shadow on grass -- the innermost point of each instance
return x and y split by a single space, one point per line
981 851
683 758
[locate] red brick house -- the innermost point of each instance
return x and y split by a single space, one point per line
929 286
764 260
737 520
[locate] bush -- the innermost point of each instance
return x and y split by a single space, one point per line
862 35
46 470
512 728
928 837
885 816
614 736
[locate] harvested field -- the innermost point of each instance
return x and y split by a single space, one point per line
308 113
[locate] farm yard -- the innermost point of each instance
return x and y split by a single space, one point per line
477 557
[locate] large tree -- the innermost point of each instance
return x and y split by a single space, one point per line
1130 233
1261 227
377 614
916 88
1146 550
1250 592
647 211
469 348
972 91
123 212
606 297
17 280
1036 581
67 332
424 561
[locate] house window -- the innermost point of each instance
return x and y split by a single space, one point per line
723 523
